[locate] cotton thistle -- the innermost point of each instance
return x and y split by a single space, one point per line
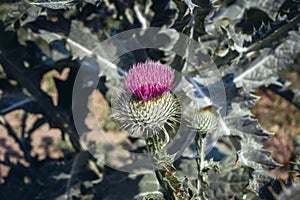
147 109
205 120
150 106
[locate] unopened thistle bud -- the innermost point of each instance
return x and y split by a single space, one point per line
150 106
205 120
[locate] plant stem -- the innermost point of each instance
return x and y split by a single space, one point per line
169 182
202 181
168 190
152 144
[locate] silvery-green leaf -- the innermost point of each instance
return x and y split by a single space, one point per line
268 6
21 11
54 4
187 168
259 180
264 70
190 4
229 181
191 17
238 120
123 186
235 11
232 20
26 35
11 102
252 155
148 183
66 181
246 133
150 196
143 13
81 40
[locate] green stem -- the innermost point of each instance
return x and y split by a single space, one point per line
152 148
169 183
202 181
168 190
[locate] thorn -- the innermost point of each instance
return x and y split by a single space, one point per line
237 164
282 185
173 167
254 30
273 193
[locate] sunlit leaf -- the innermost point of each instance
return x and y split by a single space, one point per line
80 39
54 4
264 70
21 12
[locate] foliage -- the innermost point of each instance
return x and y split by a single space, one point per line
249 41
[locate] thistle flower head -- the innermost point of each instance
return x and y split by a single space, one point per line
149 80
205 120
151 106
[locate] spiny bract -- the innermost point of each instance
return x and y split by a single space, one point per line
140 117
205 120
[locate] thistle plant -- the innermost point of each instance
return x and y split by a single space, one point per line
248 42
149 108
205 121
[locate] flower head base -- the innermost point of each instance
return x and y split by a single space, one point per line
149 80
145 118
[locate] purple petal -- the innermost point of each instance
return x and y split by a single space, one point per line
149 80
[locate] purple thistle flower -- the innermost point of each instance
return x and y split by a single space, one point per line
149 80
